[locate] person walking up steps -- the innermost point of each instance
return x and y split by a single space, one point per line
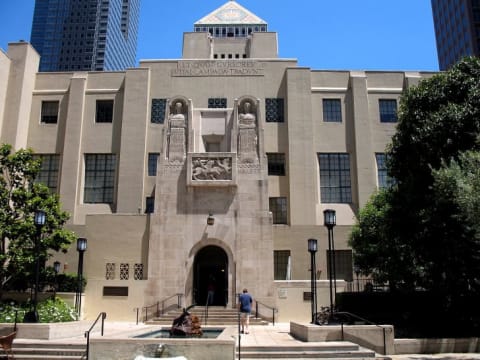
245 302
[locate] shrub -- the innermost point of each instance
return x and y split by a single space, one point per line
49 311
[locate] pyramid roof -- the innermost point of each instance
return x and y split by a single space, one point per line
231 13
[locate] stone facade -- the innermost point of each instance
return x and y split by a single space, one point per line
205 125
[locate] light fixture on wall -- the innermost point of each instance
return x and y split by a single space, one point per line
210 219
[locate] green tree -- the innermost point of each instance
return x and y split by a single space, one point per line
421 239
20 197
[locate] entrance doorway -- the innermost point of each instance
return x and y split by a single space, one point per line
211 274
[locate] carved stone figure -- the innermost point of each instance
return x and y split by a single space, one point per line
247 118
177 138
247 134
211 169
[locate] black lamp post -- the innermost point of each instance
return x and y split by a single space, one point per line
81 247
330 220
56 269
39 221
312 249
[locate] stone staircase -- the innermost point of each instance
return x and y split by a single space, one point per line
217 315
337 350
34 350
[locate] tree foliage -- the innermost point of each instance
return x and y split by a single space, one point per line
423 232
20 197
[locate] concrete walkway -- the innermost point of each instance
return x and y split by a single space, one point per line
260 335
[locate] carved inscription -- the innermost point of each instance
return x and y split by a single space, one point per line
211 168
218 68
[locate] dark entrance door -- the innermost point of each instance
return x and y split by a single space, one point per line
211 273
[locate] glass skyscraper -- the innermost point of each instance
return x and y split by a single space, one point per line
85 35
457 30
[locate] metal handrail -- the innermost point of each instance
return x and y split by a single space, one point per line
157 306
366 321
103 315
274 310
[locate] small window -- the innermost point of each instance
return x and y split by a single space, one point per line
388 110
276 164
332 110
138 272
274 109
281 259
214 103
278 207
49 168
110 271
158 111
150 205
124 271
343 264
104 113
212 147
49 112
152 163
384 181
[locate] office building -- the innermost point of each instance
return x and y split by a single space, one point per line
457 30
218 164
85 35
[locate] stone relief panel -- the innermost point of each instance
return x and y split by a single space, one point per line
206 168
211 169
177 140
247 132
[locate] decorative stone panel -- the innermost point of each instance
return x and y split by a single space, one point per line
212 169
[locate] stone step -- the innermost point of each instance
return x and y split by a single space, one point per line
322 351
36 350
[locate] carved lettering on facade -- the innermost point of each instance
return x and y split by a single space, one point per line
218 68
211 168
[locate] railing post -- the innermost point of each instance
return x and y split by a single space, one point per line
273 316
87 334
136 309
256 309
104 315
384 343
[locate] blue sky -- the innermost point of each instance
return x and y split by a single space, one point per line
321 34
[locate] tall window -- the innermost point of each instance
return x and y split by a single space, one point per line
274 109
335 182
384 180
152 163
343 265
48 173
99 178
332 110
281 267
49 112
276 164
278 207
214 103
158 111
388 110
104 112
